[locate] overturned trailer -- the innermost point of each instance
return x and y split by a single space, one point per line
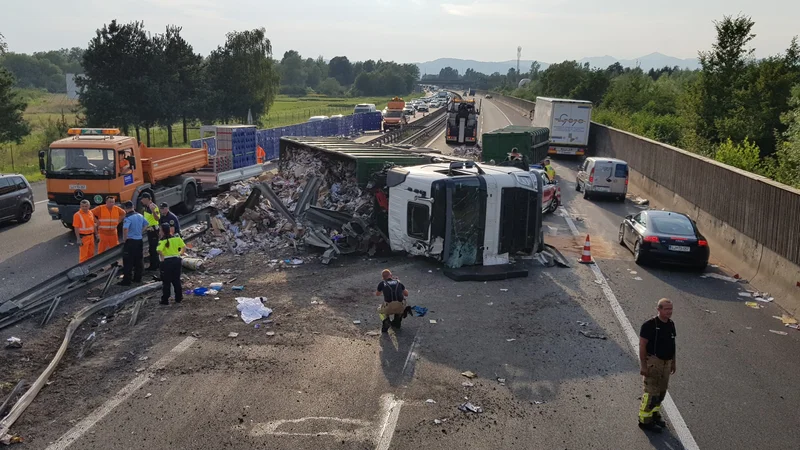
455 211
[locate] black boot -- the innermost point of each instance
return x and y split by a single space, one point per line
652 426
386 324
658 420
398 321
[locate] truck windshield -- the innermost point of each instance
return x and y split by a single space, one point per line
394 113
80 163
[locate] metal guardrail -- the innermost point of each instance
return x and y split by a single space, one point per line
414 127
83 275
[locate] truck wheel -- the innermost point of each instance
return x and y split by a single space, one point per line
67 225
189 200
25 213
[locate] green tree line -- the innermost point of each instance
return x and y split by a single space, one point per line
339 76
43 70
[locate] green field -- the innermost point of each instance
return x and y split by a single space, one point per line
45 110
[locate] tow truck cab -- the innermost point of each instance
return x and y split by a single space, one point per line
463 214
462 122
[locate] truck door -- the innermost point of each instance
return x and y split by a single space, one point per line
131 176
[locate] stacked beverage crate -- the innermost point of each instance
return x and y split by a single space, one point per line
224 158
244 143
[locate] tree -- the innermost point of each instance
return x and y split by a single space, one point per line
13 126
745 156
3 45
592 88
716 104
560 79
448 73
242 76
116 89
33 73
331 87
341 69
536 71
787 164
180 78
315 72
292 69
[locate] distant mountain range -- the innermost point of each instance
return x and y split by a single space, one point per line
651 61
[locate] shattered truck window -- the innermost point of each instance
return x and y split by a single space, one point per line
468 207
418 221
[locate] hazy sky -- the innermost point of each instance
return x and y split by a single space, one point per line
415 30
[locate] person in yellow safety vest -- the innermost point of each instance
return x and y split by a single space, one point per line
108 216
151 216
551 172
394 300
84 224
171 248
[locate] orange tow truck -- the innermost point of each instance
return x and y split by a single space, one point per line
394 117
93 163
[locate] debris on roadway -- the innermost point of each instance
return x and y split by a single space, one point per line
252 308
13 342
469 407
469 374
592 335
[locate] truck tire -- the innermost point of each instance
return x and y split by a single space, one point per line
67 225
189 200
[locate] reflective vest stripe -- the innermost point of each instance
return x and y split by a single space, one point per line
84 229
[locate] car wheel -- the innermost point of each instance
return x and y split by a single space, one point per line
700 268
621 199
621 239
25 213
577 185
553 206
586 193
638 257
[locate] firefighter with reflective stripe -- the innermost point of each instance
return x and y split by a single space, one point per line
657 360
84 224
108 216
152 216
551 172
394 300
170 248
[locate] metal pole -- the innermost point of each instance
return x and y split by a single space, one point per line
12 159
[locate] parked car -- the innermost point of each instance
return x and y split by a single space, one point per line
16 198
551 194
664 236
603 177
317 118
422 107
364 108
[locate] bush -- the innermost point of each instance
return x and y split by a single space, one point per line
293 91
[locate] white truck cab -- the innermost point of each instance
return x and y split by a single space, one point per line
464 214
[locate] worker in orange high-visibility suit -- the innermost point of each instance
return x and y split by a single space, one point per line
261 155
84 224
108 216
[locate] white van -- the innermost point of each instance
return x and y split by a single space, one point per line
317 118
364 108
606 177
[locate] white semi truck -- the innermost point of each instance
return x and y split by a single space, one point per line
568 122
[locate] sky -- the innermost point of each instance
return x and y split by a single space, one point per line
415 30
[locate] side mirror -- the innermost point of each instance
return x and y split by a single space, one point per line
41 162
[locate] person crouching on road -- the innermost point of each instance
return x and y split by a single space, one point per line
85 227
657 359
170 249
394 300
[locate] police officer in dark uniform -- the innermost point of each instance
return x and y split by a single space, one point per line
169 218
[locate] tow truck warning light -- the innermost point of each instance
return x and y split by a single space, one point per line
93 131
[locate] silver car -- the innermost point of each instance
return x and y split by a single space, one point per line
16 198
603 177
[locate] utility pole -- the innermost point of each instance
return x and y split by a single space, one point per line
519 54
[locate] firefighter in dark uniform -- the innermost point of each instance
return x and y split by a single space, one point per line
657 361
394 300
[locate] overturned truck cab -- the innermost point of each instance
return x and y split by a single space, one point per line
464 214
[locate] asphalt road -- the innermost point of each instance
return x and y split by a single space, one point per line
32 252
321 382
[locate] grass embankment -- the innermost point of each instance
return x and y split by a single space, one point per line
45 110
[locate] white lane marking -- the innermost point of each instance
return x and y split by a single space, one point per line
670 409
436 138
501 112
391 412
362 433
41 201
98 414
412 354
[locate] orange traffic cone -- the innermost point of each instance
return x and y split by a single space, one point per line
586 256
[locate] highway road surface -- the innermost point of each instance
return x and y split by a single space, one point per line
321 380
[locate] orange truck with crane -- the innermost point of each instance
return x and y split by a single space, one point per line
394 117
93 163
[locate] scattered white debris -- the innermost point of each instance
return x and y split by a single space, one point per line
510 340
583 324
148 395
503 290
501 380
272 333
719 277
469 407
373 333
433 321
140 369
233 334
468 384
469 374
430 400
709 311
163 379
356 322
637 278
144 358
490 303
252 308
782 333
745 294
13 342
437 421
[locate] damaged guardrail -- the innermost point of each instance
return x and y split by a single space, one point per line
41 296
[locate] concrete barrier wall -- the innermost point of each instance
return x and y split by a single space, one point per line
752 223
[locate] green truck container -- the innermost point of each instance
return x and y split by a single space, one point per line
532 142
363 160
